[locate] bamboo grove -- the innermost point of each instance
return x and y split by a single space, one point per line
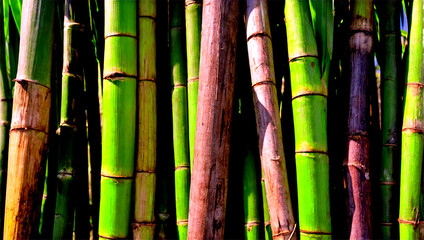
213 119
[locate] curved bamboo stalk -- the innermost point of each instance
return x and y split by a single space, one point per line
30 122
261 61
360 70
209 180
412 130
145 179
309 94
119 118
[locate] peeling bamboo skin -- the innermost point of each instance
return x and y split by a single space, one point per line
30 122
119 118
309 94
412 130
359 72
390 39
193 23
209 180
145 177
268 120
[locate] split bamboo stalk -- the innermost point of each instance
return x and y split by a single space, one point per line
119 118
179 117
145 178
30 122
72 87
390 40
412 130
5 115
309 100
268 120
360 71
216 89
193 22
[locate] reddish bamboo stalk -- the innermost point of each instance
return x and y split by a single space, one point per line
212 142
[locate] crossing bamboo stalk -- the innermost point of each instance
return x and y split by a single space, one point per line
119 118
30 122
258 35
412 130
145 178
209 179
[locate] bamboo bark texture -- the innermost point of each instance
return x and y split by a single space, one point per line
216 89
268 120
119 118
309 100
145 176
30 122
360 71
193 20
179 117
412 130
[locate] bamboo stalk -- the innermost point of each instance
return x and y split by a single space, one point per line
5 115
390 41
216 88
267 220
193 23
412 130
359 72
119 118
179 117
268 120
30 122
145 179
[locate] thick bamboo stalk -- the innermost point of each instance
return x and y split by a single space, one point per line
193 23
5 115
179 117
390 40
119 118
268 120
359 72
216 88
145 179
412 130
309 94
30 122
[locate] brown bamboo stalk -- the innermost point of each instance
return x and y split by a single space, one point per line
212 142
268 120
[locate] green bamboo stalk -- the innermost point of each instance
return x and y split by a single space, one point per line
250 197
119 116
412 130
267 221
5 116
193 23
145 179
30 122
390 41
309 94
179 117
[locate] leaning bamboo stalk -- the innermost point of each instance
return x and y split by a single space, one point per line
145 178
193 22
390 39
30 122
179 117
359 73
267 119
412 130
309 100
209 180
119 118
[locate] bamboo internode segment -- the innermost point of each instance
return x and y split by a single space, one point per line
30 122
258 35
216 89
145 176
412 130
